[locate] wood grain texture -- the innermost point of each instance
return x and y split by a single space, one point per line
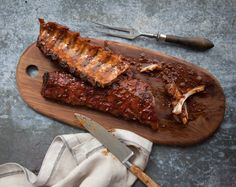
143 176
197 130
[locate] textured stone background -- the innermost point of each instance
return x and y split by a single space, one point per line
26 135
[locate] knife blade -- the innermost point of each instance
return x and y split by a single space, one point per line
115 146
120 150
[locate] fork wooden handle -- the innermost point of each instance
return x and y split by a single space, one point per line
142 176
198 43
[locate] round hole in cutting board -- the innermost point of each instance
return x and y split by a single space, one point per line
32 70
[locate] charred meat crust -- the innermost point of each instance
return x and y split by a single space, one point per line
129 98
77 56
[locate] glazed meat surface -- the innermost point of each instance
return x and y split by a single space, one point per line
77 56
128 97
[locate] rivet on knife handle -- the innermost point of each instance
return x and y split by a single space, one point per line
199 43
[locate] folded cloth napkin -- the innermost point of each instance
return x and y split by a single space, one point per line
80 160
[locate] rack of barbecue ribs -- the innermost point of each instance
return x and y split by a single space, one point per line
130 98
94 64
100 79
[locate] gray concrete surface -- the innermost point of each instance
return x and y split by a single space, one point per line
26 135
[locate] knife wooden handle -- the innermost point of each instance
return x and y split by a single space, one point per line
198 43
141 175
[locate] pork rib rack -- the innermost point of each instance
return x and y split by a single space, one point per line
76 55
130 98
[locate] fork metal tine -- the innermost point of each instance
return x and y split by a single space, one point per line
113 28
126 36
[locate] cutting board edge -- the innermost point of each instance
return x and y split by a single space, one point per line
197 141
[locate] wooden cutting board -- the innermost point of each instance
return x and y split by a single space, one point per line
196 131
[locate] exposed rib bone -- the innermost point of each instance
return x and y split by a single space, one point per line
184 114
151 67
175 93
178 107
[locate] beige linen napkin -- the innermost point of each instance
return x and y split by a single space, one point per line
80 160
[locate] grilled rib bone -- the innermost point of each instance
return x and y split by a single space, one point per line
178 107
176 94
150 68
179 104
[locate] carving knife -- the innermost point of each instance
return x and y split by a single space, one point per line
117 148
